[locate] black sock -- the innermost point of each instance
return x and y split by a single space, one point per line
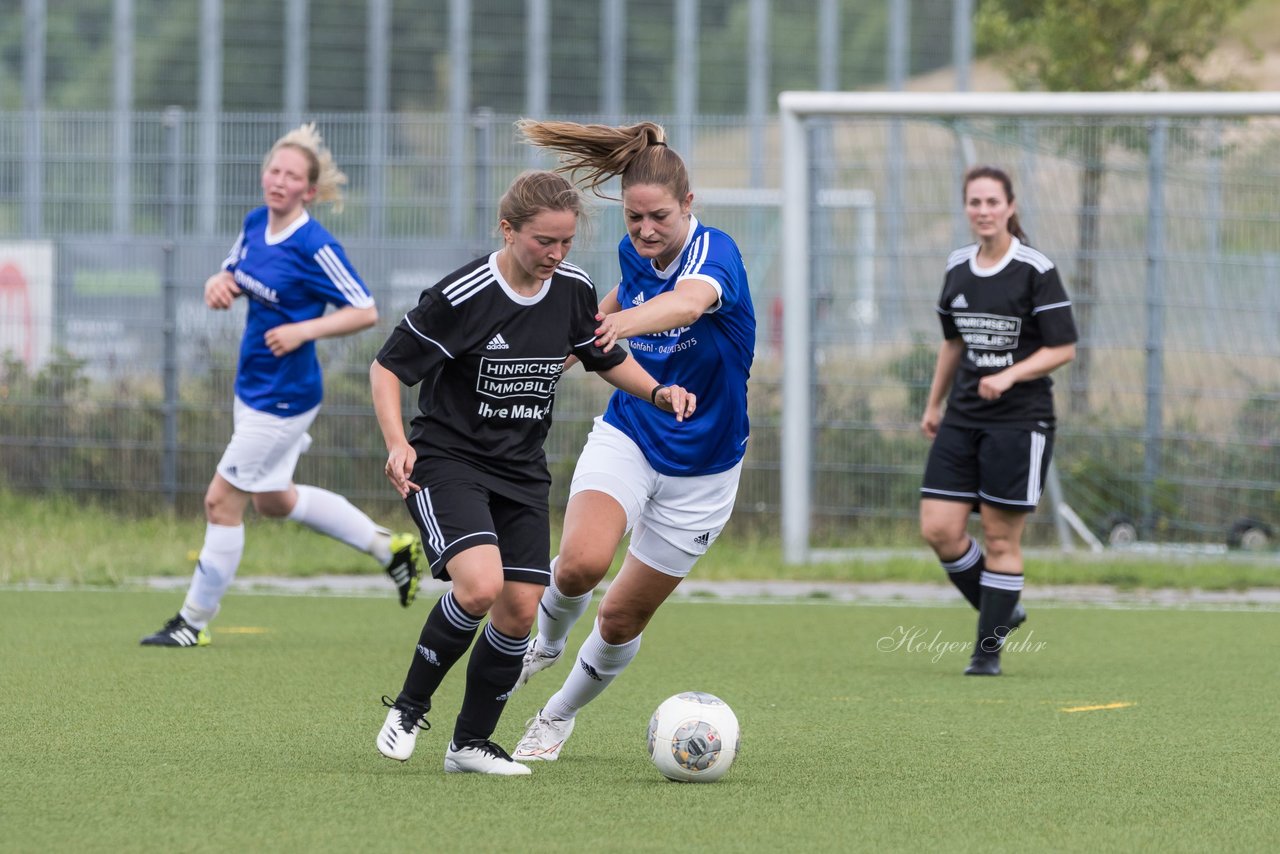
1000 592
445 637
966 571
491 674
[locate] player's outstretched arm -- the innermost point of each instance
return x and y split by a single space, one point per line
681 306
630 377
290 336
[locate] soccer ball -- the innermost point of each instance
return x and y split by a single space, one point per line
693 737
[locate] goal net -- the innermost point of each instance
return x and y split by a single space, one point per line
1160 210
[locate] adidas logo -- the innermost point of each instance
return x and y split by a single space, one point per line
639 300
589 670
185 637
960 302
497 343
231 470
703 540
429 654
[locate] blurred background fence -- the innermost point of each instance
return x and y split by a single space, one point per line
123 185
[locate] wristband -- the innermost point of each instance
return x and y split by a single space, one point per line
653 395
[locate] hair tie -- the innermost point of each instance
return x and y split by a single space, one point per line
660 142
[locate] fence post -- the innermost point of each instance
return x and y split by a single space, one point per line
1153 438
35 27
482 176
173 120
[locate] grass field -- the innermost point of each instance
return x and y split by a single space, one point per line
95 547
1111 730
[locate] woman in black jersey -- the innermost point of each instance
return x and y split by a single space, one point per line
1007 324
487 344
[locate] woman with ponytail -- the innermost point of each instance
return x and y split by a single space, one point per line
1006 324
683 304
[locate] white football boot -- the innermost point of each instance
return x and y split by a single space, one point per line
535 661
481 757
543 738
399 734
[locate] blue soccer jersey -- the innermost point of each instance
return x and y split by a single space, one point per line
288 277
712 358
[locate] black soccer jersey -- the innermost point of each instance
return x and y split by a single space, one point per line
489 360
1004 314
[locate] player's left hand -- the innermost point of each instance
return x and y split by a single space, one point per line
993 386
676 399
284 339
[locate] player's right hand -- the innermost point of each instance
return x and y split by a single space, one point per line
220 290
677 399
931 421
400 460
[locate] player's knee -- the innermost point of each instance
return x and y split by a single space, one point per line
1001 547
577 572
518 618
621 624
475 602
477 596
220 510
272 505
943 538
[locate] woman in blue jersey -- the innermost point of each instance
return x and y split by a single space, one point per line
291 270
1006 324
684 306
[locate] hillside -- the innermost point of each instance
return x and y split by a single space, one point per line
1247 60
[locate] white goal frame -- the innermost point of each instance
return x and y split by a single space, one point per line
795 109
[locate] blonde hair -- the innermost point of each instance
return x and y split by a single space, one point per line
534 191
638 153
323 173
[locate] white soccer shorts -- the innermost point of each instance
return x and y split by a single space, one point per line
264 448
674 520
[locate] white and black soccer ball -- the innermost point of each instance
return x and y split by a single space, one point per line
693 737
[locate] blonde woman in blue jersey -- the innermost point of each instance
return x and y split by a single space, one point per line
684 307
291 270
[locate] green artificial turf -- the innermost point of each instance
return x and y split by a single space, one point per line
858 733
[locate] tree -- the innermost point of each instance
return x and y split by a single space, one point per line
1099 46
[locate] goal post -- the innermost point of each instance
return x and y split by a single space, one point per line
796 111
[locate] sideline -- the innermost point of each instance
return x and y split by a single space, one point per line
758 592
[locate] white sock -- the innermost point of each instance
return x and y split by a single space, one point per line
215 570
599 663
332 515
557 614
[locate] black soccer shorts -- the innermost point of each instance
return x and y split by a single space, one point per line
1002 466
454 514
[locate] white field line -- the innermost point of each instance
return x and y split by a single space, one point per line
889 594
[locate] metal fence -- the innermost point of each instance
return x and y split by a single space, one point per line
118 380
